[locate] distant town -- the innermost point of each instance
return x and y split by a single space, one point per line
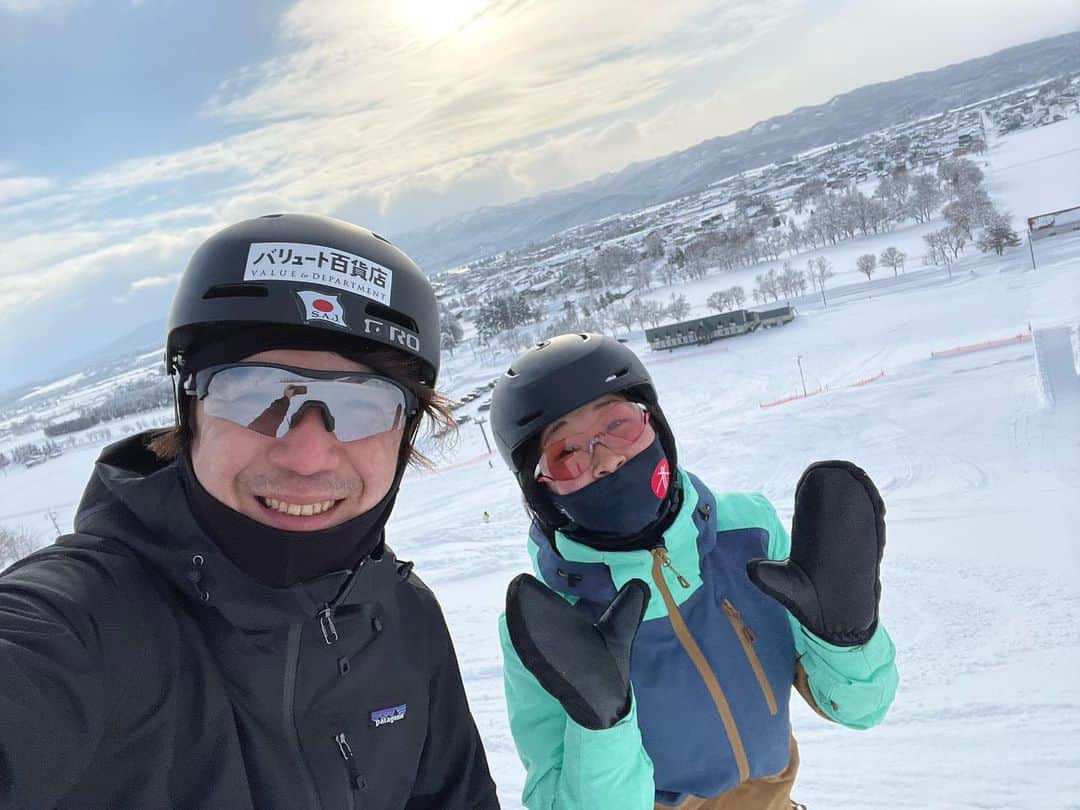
589 276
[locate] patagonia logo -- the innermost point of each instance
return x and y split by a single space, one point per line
386 717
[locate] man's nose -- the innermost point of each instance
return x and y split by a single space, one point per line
605 461
308 447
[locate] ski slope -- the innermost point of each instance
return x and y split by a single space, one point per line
979 468
979 475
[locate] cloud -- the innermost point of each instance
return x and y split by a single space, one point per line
368 114
153 281
27 7
13 188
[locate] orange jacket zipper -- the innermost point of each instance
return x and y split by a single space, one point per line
747 639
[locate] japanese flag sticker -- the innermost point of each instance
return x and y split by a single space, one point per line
661 477
318 306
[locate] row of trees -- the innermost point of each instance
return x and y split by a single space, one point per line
502 313
969 209
792 282
755 233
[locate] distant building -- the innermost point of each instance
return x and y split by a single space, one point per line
715 327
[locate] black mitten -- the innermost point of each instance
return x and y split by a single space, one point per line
585 666
831 583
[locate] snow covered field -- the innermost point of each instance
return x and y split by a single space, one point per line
978 466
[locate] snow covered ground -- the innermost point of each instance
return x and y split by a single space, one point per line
979 469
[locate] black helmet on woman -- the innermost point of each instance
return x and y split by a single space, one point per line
551 379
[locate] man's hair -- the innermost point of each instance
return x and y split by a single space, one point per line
398 366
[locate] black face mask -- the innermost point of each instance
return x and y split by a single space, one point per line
281 558
620 505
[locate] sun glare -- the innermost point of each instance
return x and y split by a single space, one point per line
439 18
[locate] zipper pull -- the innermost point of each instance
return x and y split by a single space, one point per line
343 745
665 560
744 628
356 779
326 622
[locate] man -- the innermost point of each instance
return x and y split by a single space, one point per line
227 628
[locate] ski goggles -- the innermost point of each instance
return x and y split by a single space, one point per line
270 398
617 426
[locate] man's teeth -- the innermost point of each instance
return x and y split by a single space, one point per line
298 509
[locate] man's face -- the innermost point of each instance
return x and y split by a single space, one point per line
306 470
588 420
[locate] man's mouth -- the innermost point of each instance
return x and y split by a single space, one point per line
298 509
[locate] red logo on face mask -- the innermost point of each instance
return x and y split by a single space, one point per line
660 478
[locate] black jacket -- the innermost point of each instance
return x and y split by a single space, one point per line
139 668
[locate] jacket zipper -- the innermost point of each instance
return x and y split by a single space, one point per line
747 639
292 664
357 782
686 638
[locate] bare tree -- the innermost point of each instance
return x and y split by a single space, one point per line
891 257
926 197
679 307
738 295
866 265
17 543
971 209
957 173
807 192
654 312
955 239
997 236
654 245
791 281
938 249
624 316
893 191
719 300
611 261
822 273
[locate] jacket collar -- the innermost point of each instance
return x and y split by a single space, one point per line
580 571
135 499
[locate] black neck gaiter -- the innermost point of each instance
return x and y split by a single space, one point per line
623 511
281 558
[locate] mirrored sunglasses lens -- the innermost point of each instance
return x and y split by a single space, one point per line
270 401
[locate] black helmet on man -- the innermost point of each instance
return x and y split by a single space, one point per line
323 282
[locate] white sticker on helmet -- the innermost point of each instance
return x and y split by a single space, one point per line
322 307
316 264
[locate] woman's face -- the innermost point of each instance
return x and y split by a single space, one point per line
589 421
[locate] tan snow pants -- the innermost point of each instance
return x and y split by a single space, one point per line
767 793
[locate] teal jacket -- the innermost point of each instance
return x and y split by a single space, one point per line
706 625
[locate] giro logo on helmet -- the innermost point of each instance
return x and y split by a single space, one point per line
392 333
321 307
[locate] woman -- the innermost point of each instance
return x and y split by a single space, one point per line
732 611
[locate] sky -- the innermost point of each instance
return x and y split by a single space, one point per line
131 130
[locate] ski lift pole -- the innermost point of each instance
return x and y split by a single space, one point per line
481 422
1031 247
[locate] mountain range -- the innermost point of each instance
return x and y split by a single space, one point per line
473 235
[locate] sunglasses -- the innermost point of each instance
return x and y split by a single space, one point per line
270 399
617 426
